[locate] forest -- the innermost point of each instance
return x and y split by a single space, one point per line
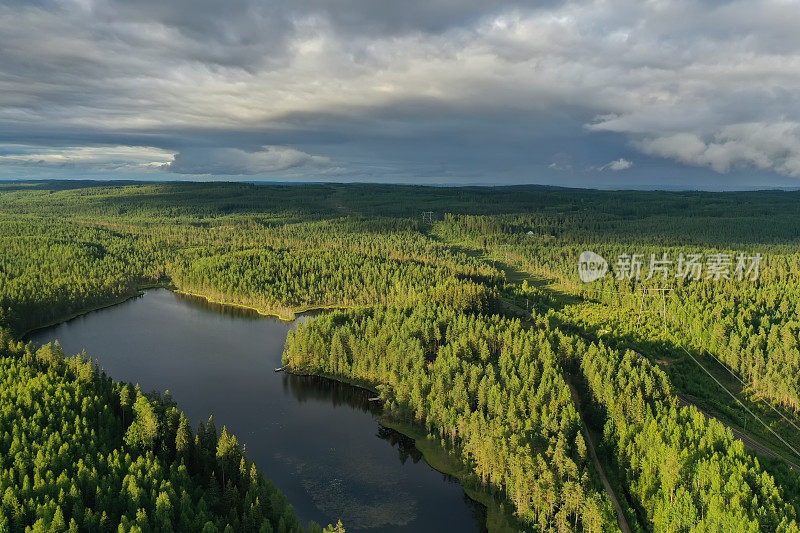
472 325
82 452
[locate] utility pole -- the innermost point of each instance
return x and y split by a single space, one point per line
648 292
502 249
639 315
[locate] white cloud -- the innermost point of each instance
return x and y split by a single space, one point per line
223 161
96 157
562 167
234 161
618 164
773 147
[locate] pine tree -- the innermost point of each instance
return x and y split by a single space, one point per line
125 399
228 453
143 431
183 438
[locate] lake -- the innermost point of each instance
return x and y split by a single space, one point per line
317 440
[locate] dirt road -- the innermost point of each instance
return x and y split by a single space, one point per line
623 522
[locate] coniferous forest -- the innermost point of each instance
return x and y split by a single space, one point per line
663 402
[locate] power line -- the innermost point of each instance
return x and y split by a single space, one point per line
742 404
720 384
645 291
732 373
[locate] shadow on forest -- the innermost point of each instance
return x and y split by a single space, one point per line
552 298
694 387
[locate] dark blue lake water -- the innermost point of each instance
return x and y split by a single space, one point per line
318 440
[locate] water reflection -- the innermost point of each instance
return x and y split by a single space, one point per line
405 445
199 302
317 439
315 388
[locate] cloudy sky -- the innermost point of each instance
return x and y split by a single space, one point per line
644 94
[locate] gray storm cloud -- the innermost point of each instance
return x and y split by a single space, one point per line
431 91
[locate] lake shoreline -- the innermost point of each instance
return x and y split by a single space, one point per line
498 520
139 291
262 312
436 457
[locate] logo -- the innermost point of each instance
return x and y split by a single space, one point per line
591 266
